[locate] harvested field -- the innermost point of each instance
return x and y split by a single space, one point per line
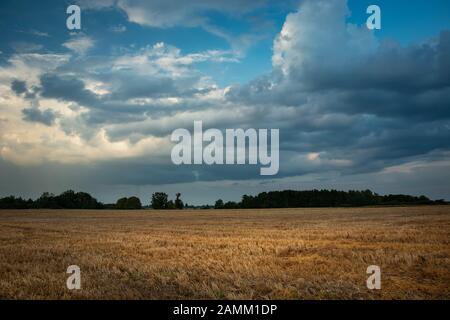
226 254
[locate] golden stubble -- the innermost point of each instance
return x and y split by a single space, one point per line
226 254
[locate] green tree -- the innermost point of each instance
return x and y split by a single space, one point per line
134 203
219 204
170 205
121 203
159 200
178 203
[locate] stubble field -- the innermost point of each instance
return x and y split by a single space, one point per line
232 254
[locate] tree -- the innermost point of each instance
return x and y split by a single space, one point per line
15 203
84 200
218 204
121 203
47 201
170 205
178 203
131 203
134 203
66 200
159 200
231 205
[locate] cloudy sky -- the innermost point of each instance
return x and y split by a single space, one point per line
93 109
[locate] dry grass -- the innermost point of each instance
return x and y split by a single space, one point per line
254 254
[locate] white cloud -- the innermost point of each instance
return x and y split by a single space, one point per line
28 67
168 59
318 34
80 45
39 33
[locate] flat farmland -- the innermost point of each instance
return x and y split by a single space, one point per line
226 254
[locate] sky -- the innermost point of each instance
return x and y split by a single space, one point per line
93 109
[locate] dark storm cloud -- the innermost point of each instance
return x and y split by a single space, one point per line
391 67
364 107
142 87
19 87
393 81
67 88
46 117
124 84
130 85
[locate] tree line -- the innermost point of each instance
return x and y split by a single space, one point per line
82 200
275 199
321 198
66 200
